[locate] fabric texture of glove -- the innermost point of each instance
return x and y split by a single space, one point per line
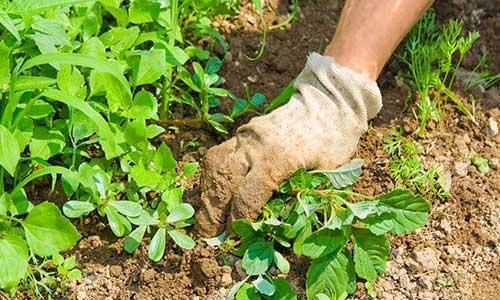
318 128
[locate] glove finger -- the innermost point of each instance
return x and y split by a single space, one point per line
223 166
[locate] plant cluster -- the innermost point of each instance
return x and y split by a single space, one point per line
316 214
84 88
431 68
408 168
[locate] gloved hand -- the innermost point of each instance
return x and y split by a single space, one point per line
317 129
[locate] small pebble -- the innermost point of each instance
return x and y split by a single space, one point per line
491 128
460 169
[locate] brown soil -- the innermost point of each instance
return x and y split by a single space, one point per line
458 246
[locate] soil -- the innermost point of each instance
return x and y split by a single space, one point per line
456 255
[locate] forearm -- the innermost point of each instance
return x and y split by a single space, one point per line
369 31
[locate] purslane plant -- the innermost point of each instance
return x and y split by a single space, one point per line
317 215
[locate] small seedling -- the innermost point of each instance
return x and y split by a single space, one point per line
408 168
481 163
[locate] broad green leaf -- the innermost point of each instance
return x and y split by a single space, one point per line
93 47
328 276
82 126
181 212
7 22
118 223
118 96
345 175
46 142
153 130
71 81
173 197
9 150
176 56
240 290
408 211
322 296
157 246
215 241
258 258
134 239
4 67
128 208
143 11
370 253
213 65
190 169
145 106
24 132
110 147
38 6
152 64
135 133
324 242
100 64
258 99
144 218
13 259
40 110
283 290
281 262
47 231
163 159
264 286
364 208
42 172
181 239
144 177
76 209
24 82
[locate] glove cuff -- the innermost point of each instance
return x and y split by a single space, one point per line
346 83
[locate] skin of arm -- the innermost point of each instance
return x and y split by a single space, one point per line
368 32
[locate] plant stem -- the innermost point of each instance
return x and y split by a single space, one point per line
1 181
176 122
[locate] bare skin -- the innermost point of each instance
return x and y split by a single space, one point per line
369 31
240 174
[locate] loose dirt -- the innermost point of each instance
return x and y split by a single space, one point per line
454 256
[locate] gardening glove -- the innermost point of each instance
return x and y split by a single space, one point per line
317 129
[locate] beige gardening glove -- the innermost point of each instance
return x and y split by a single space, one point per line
317 129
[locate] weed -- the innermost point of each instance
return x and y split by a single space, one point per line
481 163
315 215
408 169
431 71
484 78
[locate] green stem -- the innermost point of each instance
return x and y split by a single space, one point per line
1 181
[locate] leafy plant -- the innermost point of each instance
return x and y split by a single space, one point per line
481 163
408 168
431 70
484 77
317 215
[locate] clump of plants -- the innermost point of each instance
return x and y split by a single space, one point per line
432 57
408 169
316 214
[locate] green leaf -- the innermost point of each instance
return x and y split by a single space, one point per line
213 65
258 99
9 150
110 147
181 212
283 290
145 218
190 169
328 276
47 231
324 242
215 241
4 67
163 159
258 258
407 212
13 259
134 239
40 110
264 286
157 246
281 262
145 106
176 56
345 175
153 130
143 11
97 63
181 239
76 209
7 22
128 208
38 6
24 82
173 197
364 208
46 142
370 253
82 126
245 291
151 65
145 177
135 133
118 223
